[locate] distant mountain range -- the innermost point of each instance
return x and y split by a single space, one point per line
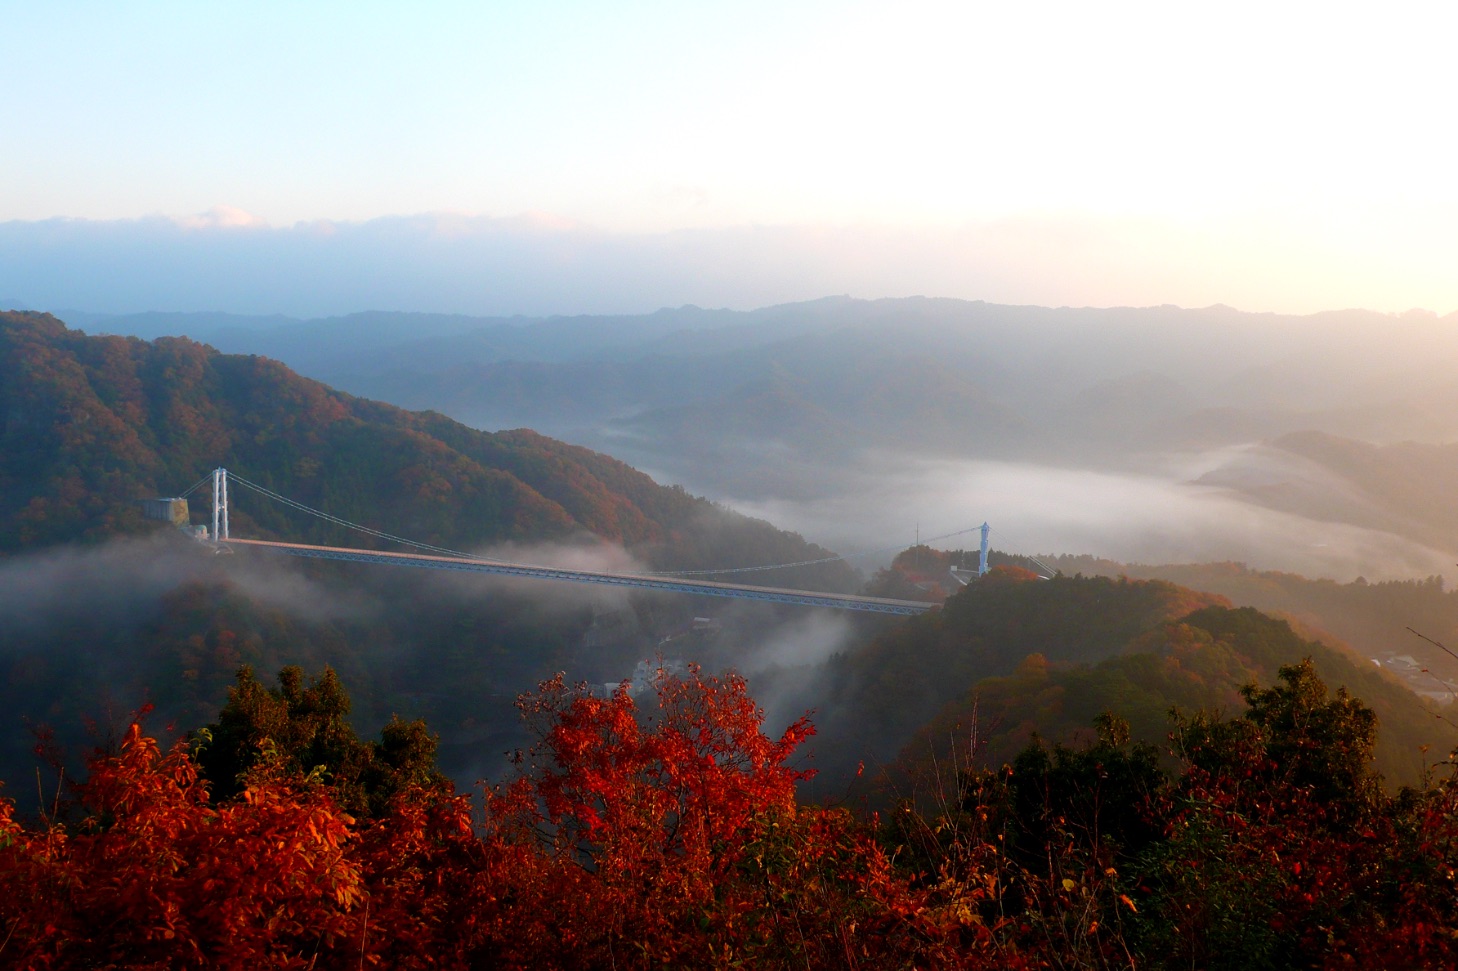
1307 415
1152 377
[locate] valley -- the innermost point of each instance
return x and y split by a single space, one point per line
807 487
1232 436
413 645
107 617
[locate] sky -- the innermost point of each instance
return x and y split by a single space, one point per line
589 157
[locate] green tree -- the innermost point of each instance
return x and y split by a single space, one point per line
304 725
1314 743
1272 832
1094 797
1293 735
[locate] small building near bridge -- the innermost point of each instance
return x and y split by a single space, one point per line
172 511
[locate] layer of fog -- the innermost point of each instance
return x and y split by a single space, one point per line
1133 518
53 600
779 651
589 555
122 580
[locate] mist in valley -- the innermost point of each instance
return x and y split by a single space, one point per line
1313 445
90 635
1150 435
1178 516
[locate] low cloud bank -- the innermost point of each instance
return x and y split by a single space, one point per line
1035 509
123 579
226 260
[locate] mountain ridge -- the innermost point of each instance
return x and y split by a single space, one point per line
89 425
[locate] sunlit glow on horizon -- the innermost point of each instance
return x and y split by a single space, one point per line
1290 158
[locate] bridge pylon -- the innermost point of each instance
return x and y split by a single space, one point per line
220 504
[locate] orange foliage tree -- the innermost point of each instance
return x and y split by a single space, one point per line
155 876
631 838
676 828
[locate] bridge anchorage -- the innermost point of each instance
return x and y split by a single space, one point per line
438 558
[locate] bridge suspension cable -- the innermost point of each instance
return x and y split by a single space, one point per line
336 520
825 559
458 561
445 551
1027 556
222 476
195 486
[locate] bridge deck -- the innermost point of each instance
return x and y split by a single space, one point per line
837 601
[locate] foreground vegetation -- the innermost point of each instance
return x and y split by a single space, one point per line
667 833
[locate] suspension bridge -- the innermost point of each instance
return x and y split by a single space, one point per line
439 558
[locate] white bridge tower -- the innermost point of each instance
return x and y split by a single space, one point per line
220 504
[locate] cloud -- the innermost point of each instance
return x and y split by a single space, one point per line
807 639
1037 509
540 264
221 217
590 555
538 597
123 580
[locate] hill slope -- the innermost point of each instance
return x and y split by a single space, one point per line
1378 620
1010 656
881 692
88 425
97 619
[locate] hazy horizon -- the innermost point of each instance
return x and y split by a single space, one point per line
533 266
1143 436
566 158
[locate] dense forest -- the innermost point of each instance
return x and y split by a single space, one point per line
1012 656
664 830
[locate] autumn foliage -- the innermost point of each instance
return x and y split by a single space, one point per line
154 875
669 836
663 831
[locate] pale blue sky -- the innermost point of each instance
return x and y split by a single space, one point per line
1195 142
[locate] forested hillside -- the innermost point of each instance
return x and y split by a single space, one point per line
92 424
664 830
102 611
1379 620
1012 656
880 692
1198 662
